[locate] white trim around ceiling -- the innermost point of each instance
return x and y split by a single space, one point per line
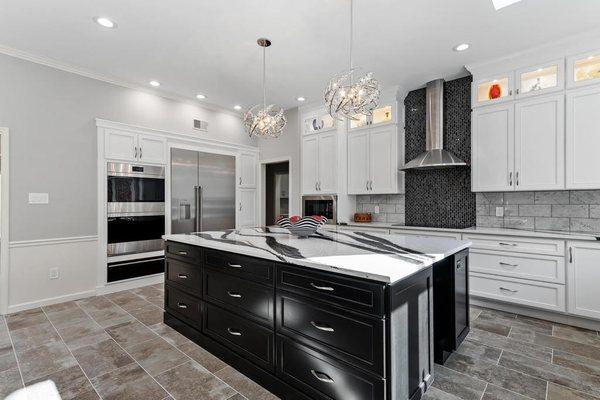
50 62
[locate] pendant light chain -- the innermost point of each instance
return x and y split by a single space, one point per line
264 77
351 29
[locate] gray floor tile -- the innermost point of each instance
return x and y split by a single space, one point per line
577 335
568 346
8 361
244 385
492 323
102 357
130 382
157 355
238 396
203 357
504 343
474 312
127 300
96 303
493 392
148 315
434 393
44 360
5 343
60 307
33 336
191 381
170 335
10 381
458 384
25 319
579 363
130 333
478 350
69 316
148 292
83 334
71 383
110 316
556 392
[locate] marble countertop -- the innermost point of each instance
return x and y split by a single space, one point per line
485 231
371 255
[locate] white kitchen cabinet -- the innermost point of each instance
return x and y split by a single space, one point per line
319 163
583 138
583 271
129 146
493 148
539 143
493 89
247 170
373 161
318 121
385 113
583 69
247 208
540 79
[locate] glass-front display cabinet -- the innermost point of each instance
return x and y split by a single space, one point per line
583 69
543 78
383 114
319 121
493 90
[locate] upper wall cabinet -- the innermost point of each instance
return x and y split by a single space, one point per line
492 90
319 163
318 121
128 146
583 69
539 79
247 170
384 114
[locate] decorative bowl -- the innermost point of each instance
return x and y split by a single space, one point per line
301 226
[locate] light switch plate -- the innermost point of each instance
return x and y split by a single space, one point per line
38 198
499 211
376 210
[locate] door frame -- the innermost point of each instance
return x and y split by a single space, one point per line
4 220
263 186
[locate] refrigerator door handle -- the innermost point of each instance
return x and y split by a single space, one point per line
198 197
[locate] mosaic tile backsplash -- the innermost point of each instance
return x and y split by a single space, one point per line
572 211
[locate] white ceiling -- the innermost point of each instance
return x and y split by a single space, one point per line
209 46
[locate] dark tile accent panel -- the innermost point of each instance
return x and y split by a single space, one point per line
441 197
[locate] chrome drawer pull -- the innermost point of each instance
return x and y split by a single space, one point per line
321 376
234 294
508 290
182 305
182 253
507 244
325 288
322 327
508 265
234 332
182 276
234 265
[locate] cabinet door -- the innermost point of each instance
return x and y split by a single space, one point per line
247 208
540 79
539 144
496 89
583 138
583 69
327 162
358 162
310 156
152 149
120 145
247 175
382 155
493 149
311 123
583 276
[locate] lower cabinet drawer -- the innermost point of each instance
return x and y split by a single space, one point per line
251 340
185 275
519 291
182 304
322 377
536 267
350 337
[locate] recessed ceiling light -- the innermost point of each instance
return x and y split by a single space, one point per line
200 96
105 22
498 4
237 107
300 98
155 83
461 47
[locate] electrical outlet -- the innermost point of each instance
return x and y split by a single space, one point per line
53 273
38 198
376 209
499 211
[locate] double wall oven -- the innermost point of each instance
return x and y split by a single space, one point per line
136 220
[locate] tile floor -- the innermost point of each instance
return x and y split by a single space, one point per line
116 347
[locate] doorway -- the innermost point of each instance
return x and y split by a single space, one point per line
277 191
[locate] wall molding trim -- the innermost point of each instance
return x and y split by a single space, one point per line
51 300
53 241
130 284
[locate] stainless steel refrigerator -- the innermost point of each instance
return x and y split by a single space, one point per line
202 191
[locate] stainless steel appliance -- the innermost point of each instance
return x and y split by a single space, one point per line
136 220
325 206
202 191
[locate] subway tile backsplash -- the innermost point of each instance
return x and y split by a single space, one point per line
574 211
391 207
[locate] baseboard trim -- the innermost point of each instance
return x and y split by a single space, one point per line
50 301
53 241
130 284
553 316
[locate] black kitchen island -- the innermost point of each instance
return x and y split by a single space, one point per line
339 315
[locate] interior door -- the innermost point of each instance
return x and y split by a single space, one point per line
539 144
381 160
327 162
152 149
358 162
493 149
310 155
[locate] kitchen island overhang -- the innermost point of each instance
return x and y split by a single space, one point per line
337 315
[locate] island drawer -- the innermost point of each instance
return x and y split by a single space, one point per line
355 294
185 252
182 304
323 377
184 275
253 341
251 299
356 339
243 266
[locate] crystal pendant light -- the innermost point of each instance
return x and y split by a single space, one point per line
262 120
352 93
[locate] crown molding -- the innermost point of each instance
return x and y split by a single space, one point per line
52 63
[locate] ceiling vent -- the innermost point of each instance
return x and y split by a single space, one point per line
200 125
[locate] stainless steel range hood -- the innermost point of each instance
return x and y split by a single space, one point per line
435 156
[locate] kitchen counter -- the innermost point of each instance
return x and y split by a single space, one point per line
592 236
381 257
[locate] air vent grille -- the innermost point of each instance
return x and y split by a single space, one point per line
200 125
